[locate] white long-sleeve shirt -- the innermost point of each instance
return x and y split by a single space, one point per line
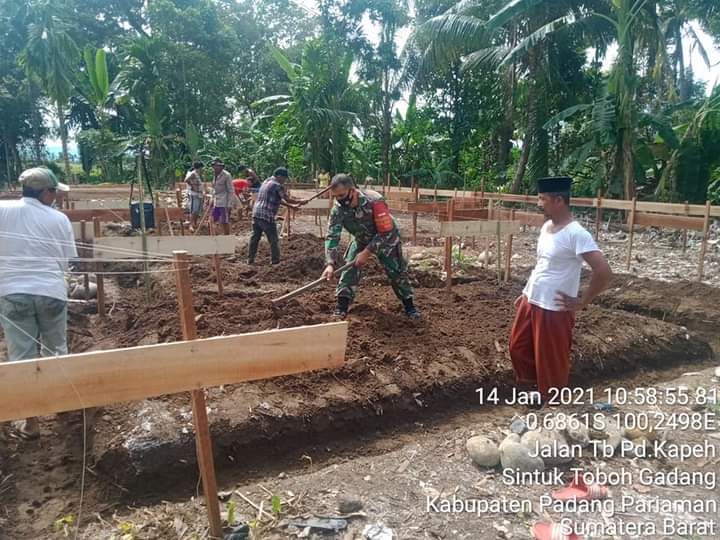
36 242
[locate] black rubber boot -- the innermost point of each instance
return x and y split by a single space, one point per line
410 309
341 310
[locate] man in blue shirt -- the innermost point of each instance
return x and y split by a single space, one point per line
272 194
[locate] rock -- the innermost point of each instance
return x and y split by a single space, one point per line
421 256
578 433
518 426
516 456
551 443
349 506
78 292
378 531
717 371
512 438
614 431
486 257
483 451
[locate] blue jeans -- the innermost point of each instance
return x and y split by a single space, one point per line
29 318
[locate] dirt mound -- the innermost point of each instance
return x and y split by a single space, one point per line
687 303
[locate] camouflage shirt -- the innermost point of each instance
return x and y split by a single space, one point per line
362 222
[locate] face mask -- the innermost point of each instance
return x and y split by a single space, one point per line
346 200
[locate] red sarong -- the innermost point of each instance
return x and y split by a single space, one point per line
540 342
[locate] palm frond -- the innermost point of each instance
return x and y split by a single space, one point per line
567 113
512 10
490 56
697 44
539 35
452 35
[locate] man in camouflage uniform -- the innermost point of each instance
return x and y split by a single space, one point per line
366 216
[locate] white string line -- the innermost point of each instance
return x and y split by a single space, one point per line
109 249
68 243
80 259
82 406
42 239
167 271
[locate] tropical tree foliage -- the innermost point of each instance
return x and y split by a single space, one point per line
492 93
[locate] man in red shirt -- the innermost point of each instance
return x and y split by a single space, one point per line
242 190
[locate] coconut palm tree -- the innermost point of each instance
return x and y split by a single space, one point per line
51 57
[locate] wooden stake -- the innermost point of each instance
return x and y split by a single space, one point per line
200 420
169 223
216 262
99 278
86 253
498 239
416 196
703 246
685 236
598 214
487 238
632 232
448 248
508 249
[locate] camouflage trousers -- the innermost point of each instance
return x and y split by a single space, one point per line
395 268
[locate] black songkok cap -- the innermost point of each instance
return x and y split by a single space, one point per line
554 184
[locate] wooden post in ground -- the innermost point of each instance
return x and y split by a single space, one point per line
486 262
703 246
508 249
416 196
216 262
448 248
598 214
99 278
632 232
178 196
156 215
684 233
85 253
203 442
498 263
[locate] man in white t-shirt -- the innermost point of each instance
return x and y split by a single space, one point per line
36 242
541 335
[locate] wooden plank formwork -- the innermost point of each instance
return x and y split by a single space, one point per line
65 383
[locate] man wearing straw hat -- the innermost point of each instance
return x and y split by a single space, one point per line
541 335
36 242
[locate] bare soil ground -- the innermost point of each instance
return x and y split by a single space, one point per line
397 373
393 476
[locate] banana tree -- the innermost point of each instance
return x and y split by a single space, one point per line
321 103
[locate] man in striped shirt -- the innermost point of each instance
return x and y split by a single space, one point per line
272 194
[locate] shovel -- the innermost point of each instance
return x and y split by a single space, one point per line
310 286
